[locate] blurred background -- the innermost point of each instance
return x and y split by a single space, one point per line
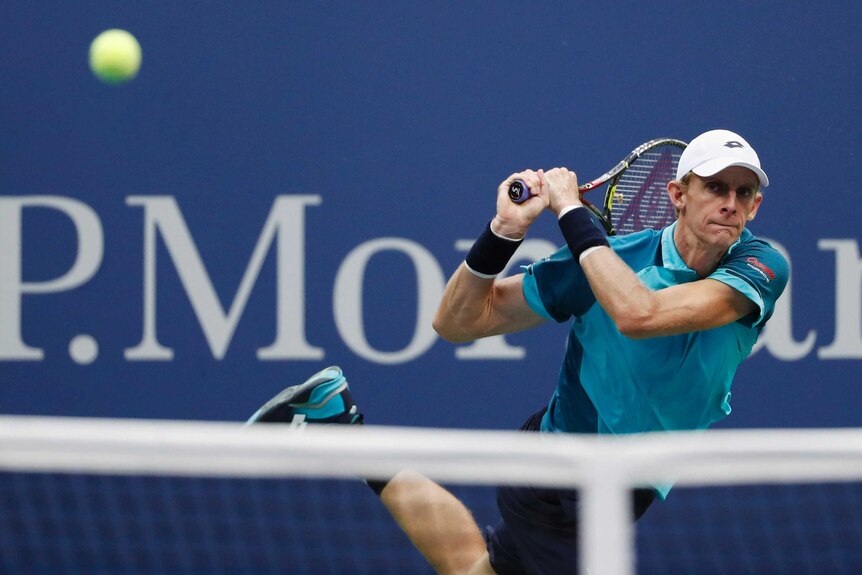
284 186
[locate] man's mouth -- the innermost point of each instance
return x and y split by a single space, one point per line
725 225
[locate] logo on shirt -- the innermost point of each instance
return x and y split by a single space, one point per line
755 264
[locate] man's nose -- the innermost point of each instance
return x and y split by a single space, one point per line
729 205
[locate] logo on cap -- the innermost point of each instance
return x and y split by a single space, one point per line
733 144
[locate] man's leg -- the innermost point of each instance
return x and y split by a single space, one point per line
437 523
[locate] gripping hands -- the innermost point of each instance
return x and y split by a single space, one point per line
555 190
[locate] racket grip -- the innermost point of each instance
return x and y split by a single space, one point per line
519 192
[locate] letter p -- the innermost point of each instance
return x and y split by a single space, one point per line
88 258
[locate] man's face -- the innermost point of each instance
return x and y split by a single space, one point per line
716 208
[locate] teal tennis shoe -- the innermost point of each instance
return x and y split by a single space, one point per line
322 398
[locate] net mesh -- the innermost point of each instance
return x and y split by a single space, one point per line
795 528
107 505
107 524
640 200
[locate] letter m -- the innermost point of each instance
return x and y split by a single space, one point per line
285 226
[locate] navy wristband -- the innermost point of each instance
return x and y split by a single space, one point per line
581 231
490 253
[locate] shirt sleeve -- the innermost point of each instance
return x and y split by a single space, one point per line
556 287
759 272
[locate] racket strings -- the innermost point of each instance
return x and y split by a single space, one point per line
640 200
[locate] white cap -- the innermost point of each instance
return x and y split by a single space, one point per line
716 150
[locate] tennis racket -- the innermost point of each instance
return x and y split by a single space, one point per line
636 197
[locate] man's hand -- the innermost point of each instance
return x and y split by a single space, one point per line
513 220
555 189
562 189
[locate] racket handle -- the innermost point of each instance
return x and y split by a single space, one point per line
519 192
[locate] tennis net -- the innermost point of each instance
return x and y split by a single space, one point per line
142 496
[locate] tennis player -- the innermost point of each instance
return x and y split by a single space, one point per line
683 306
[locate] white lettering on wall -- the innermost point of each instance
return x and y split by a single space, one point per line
848 301
285 221
348 292
284 232
88 258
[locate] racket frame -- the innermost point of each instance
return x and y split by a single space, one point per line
614 175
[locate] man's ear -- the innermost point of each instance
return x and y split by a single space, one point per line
757 201
676 193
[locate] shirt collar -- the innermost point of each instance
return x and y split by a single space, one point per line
743 237
669 254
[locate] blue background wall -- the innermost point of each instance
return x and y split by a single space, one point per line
400 118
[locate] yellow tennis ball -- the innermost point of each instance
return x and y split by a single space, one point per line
115 56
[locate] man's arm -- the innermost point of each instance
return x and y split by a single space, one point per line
640 312
474 307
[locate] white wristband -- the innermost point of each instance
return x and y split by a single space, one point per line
566 210
502 237
587 252
479 274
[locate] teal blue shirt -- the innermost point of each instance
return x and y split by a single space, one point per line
610 383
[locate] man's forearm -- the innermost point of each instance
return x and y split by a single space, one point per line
465 302
619 290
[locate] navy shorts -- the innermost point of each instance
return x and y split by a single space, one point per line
538 533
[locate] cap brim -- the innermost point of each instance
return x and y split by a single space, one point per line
715 165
